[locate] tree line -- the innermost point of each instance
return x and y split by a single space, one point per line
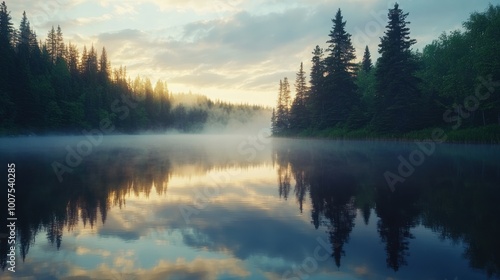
49 86
453 82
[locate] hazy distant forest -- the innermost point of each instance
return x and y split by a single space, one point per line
453 84
47 86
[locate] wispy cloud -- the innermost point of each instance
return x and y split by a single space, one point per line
240 45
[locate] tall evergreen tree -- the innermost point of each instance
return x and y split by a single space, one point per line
7 97
286 103
282 116
161 93
6 27
299 115
104 67
83 61
150 105
397 93
340 88
23 38
274 127
51 43
60 48
366 64
316 90
73 60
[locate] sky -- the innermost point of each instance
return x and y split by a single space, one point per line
231 50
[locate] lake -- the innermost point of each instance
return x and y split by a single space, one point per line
250 207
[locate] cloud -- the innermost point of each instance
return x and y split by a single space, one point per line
93 20
238 45
124 9
125 268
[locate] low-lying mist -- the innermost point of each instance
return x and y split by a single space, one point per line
198 114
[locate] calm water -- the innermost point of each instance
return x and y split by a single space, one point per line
230 207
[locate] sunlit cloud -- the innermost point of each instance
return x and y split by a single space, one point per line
93 20
87 251
232 49
124 9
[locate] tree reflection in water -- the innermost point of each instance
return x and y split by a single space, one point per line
454 194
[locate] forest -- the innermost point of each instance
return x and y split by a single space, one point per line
453 85
48 86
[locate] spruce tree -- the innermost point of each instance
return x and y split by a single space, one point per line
316 90
7 96
60 48
286 104
23 39
6 28
73 60
104 67
366 64
274 127
340 88
282 117
52 46
396 98
299 116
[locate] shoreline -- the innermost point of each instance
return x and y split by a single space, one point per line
486 135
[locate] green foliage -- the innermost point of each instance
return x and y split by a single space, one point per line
316 90
455 80
397 94
339 89
281 121
366 63
51 88
299 113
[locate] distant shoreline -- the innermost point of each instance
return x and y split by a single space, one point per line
489 135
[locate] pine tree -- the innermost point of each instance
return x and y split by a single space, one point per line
83 61
89 65
92 64
7 96
274 127
286 94
6 28
104 67
342 53
282 117
340 88
396 96
60 48
23 39
299 115
366 64
51 43
151 109
161 94
73 60
316 90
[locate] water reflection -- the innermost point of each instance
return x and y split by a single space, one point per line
455 194
118 215
112 172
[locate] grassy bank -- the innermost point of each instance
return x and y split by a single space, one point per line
481 135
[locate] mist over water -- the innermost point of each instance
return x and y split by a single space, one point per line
208 206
